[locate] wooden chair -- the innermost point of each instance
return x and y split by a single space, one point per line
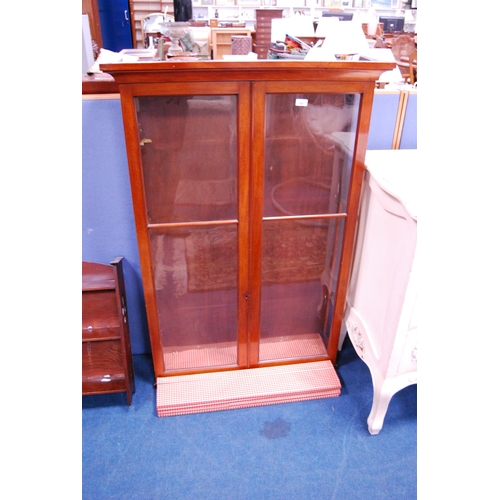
402 47
412 61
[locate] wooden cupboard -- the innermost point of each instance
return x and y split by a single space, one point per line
263 29
107 364
245 181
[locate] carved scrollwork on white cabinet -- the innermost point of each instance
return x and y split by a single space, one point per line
356 338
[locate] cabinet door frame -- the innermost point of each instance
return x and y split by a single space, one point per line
242 91
259 91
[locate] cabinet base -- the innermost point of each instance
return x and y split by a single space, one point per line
207 392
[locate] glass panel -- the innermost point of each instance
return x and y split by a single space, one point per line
188 146
309 144
295 266
188 149
195 275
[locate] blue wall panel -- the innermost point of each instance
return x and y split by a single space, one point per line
108 228
409 135
383 120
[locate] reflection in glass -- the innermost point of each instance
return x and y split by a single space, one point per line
188 151
296 258
188 146
195 284
309 144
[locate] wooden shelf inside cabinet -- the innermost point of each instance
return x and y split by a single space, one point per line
106 352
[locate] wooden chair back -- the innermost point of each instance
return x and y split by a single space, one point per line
402 47
413 66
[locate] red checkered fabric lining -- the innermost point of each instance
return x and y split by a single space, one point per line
205 392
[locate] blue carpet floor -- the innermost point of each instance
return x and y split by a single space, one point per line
309 450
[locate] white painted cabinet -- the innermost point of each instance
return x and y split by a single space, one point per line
381 306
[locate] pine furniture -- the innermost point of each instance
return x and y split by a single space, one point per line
221 39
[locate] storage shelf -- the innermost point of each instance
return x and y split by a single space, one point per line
106 351
101 339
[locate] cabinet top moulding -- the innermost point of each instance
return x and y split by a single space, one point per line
154 72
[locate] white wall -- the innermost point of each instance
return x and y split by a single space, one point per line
87 52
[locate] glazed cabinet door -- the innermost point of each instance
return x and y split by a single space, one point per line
190 187
242 195
304 142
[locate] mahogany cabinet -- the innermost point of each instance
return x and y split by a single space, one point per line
106 352
245 181
263 25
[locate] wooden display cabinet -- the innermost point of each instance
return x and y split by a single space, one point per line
107 365
245 182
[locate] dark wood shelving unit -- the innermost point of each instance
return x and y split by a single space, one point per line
263 23
107 365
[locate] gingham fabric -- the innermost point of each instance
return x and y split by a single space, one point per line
206 392
224 354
